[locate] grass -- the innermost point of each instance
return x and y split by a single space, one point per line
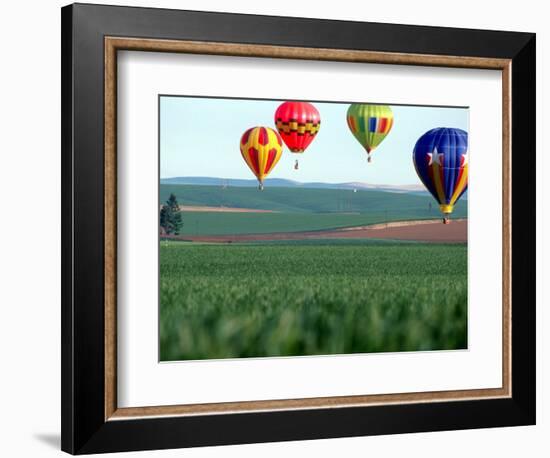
297 209
254 300
299 200
211 223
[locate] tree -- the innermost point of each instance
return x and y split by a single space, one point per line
170 216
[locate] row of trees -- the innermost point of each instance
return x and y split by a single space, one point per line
171 221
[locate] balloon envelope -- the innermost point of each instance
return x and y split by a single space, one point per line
298 124
369 124
261 148
441 161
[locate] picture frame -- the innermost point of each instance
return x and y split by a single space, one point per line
92 35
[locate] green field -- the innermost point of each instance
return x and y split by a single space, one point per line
297 209
286 299
206 223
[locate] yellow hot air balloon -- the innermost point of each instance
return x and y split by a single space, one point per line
369 124
261 148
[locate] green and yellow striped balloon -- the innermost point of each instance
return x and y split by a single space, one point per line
369 124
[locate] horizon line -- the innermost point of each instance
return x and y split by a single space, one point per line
288 179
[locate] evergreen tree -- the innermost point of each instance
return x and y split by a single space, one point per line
170 216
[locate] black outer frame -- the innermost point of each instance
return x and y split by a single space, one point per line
84 429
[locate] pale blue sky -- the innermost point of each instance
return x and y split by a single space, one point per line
200 137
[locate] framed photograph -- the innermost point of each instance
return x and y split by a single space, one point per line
283 228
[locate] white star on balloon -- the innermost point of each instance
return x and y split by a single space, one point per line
435 157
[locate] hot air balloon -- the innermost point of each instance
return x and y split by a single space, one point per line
369 124
441 161
261 148
298 123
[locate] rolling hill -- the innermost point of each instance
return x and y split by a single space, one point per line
284 199
302 209
282 182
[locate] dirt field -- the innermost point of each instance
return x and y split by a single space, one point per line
423 231
456 232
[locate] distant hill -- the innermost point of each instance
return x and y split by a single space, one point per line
284 183
296 209
306 200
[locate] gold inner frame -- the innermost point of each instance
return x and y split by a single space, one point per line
114 44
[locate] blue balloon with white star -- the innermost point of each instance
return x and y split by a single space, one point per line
440 158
